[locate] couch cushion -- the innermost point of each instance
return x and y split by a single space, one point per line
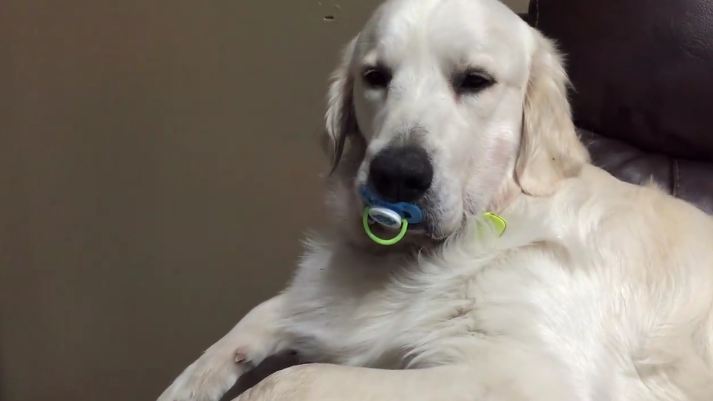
642 69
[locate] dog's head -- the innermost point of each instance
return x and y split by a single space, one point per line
452 105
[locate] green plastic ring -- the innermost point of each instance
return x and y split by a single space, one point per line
381 241
500 224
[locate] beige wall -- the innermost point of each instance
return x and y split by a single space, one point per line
518 5
158 165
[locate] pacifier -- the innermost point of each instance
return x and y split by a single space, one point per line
394 216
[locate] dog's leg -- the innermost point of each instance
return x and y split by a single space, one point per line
513 375
252 340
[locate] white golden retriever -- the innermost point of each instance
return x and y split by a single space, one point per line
597 290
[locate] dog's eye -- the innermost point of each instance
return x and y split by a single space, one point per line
471 82
377 77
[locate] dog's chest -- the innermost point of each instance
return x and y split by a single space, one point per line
387 327
365 315
368 315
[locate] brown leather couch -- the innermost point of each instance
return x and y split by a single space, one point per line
642 75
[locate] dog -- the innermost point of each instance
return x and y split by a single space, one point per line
596 290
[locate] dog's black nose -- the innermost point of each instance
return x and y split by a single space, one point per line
401 174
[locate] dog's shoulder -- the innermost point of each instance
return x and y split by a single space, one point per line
638 213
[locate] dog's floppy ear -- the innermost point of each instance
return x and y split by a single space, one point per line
340 119
550 149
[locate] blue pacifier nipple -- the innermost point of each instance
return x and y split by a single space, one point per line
407 211
391 215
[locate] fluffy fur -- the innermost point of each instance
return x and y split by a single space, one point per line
599 290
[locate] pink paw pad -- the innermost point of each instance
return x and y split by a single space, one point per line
240 356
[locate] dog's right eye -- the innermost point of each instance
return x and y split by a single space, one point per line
472 81
377 77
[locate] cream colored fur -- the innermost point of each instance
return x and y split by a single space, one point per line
599 290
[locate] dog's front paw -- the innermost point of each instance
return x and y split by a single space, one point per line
208 378
295 383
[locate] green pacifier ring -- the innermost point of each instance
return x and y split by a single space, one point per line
499 223
381 241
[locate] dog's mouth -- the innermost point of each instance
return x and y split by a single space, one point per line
388 223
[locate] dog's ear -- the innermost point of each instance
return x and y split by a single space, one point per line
340 119
550 149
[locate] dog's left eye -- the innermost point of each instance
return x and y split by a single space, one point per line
377 77
471 82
